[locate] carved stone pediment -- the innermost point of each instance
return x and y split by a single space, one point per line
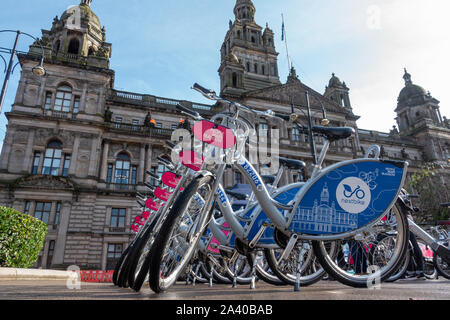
44 182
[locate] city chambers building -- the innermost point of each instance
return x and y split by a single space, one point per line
77 150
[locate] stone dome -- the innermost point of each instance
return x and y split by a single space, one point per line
86 14
411 94
334 82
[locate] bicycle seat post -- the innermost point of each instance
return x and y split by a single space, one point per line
322 155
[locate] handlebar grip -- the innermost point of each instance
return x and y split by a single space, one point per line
187 110
170 144
202 89
282 116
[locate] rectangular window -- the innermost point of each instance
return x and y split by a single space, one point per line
109 173
48 100
42 211
113 254
133 175
52 162
66 165
295 134
159 171
26 210
57 213
135 124
118 122
117 218
36 160
76 104
51 250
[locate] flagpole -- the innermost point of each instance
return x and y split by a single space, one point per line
284 37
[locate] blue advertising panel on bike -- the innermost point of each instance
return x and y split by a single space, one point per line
348 197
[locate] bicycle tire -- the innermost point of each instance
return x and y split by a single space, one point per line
402 269
264 274
136 277
441 266
290 278
119 265
158 279
366 280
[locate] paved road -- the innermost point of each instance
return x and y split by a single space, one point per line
324 290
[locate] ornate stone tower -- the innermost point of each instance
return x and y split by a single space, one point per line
79 37
338 92
419 117
415 104
248 56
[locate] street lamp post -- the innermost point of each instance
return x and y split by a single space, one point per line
37 70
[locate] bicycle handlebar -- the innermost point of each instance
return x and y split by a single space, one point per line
203 90
188 111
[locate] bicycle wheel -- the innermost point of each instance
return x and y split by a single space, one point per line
176 241
139 265
352 268
429 269
286 268
402 269
263 270
238 268
119 265
441 266
214 267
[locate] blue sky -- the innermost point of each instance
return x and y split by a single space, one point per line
163 47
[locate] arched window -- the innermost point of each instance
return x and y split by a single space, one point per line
52 159
74 46
63 98
248 66
256 67
122 174
234 79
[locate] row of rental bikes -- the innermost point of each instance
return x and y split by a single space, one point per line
350 221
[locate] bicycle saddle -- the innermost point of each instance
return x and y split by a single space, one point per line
291 163
334 133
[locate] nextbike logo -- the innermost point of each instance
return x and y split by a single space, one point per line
251 173
353 195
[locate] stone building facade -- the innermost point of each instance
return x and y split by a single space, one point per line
77 150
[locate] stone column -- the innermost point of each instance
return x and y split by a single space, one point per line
141 168
60 243
104 165
6 150
39 97
20 91
95 157
84 98
74 157
148 165
28 157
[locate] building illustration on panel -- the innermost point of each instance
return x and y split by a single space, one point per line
323 217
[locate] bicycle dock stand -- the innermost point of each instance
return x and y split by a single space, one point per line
302 253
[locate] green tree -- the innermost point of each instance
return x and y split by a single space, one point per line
430 182
21 238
